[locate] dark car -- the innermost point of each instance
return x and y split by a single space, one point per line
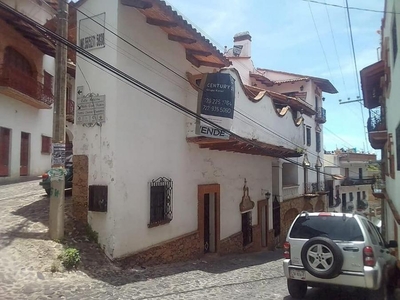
46 182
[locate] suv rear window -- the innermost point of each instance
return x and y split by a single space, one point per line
335 228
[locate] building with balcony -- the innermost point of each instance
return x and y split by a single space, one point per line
298 186
158 179
381 94
350 189
26 91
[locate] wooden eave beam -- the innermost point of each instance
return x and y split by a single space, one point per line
211 64
181 39
198 52
140 4
161 23
193 60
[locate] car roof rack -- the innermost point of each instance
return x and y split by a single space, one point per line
306 213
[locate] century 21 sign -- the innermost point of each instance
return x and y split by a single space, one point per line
91 32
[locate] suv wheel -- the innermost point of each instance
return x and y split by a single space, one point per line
322 258
297 289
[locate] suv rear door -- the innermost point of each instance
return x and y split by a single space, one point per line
344 231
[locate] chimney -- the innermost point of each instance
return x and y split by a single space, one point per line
242 44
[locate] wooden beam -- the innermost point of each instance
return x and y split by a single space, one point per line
161 23
210 64
193 60
181 39
140 4
198 52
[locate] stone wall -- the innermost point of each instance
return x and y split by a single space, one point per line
291 208
232 244
256 244
182 248
80 188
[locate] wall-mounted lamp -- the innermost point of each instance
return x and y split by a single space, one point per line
301 88
306 162
267 195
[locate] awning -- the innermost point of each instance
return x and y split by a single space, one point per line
33 35
248 146
371 84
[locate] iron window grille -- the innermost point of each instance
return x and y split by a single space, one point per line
308 133
160 201
247 228
276 216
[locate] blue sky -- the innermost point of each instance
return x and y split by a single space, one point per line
284 38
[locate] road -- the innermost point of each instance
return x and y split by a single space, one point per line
27 257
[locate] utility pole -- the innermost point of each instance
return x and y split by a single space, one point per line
57 173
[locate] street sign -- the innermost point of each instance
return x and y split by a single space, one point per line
90 109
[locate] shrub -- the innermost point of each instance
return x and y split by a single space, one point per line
70 258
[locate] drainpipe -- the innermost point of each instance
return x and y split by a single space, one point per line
306 165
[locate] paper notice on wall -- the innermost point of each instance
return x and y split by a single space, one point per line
58 155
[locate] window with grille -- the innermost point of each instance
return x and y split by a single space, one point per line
48 83
397 148
160 201
14 59
318 141
394 39
308 135
46 144
276 216
247 228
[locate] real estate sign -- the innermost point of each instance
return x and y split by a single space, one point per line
216 102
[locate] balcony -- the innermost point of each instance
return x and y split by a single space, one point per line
320 117
378 189
314 189
70 111
377 132
358 181
22 87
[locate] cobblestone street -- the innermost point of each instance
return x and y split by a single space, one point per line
27 256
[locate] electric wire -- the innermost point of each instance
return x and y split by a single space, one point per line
352 7
356 70
128 79
320 41
184 78
336 51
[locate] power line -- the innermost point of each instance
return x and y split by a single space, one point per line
236 110
336 51
352 7
320 41
356 69
132 81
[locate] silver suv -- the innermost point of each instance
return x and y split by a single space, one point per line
336 249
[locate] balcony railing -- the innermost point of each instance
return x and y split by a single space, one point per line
376 121
290 191
358 181
320 117
314 188
70 111
14 79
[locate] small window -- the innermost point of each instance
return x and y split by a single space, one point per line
160 201
318 141
46 144
247 228
48 84
308 135
360 173
276 216
364 195
398 147
394 39
351 196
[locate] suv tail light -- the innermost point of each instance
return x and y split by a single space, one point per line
286 250
369 259
45 176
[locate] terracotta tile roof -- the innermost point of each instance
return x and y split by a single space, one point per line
324 84
291 80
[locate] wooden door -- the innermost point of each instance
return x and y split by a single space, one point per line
4 151
24 161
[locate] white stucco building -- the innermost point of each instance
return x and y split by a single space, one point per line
381 93
154 183
26 92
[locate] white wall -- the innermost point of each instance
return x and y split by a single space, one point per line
20 117
37 10
143 139
392 108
